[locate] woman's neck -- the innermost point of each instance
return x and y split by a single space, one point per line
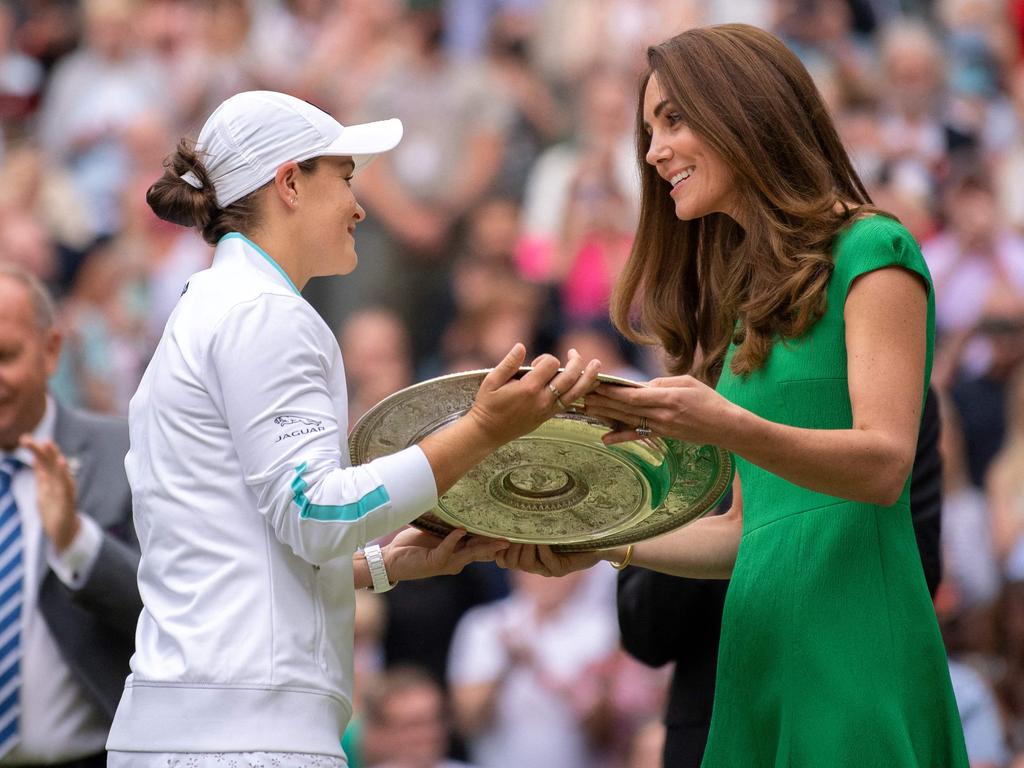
283 251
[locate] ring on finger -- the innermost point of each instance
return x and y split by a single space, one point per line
642 430
558 396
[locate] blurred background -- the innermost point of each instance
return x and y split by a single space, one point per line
505 215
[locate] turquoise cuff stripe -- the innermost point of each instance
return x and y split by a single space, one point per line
264 254
345 513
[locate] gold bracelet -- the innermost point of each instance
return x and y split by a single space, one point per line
625 561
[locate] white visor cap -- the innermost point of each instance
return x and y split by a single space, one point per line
252 134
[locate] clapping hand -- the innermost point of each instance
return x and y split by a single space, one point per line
55 492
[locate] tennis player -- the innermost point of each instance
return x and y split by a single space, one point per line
252 523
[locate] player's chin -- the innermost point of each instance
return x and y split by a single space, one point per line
348 263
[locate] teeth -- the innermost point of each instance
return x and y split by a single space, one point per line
682 175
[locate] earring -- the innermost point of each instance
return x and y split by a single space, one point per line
292 201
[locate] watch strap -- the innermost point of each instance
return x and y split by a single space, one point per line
378 572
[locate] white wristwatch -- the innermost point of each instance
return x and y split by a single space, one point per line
379 574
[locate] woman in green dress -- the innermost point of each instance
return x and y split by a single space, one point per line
799 321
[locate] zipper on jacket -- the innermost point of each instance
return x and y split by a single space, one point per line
318 622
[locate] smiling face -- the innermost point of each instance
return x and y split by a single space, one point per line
28 356
331 214
696 177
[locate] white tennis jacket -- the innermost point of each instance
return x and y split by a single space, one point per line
248 513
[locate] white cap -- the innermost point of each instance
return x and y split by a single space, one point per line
252 134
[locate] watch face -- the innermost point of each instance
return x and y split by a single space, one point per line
558 485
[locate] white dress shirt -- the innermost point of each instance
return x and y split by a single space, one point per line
58 722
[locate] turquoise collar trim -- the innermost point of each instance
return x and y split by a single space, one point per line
264 254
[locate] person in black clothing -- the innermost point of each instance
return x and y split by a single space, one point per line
666 618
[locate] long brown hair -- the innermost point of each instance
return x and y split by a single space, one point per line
698 285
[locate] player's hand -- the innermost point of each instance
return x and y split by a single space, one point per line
416 554
508 406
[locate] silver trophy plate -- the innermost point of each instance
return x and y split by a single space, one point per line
558 485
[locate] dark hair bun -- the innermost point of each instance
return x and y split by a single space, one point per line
174 199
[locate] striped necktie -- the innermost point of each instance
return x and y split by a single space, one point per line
11 572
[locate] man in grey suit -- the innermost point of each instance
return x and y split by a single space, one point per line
68 553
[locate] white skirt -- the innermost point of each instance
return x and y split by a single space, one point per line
222 760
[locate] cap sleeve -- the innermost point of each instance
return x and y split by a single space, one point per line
876 242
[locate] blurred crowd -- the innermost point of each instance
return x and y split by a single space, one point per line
505 215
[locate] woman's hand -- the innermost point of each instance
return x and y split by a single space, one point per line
507 407
541 559
680 407
415 554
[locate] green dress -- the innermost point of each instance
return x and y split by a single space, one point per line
830 654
